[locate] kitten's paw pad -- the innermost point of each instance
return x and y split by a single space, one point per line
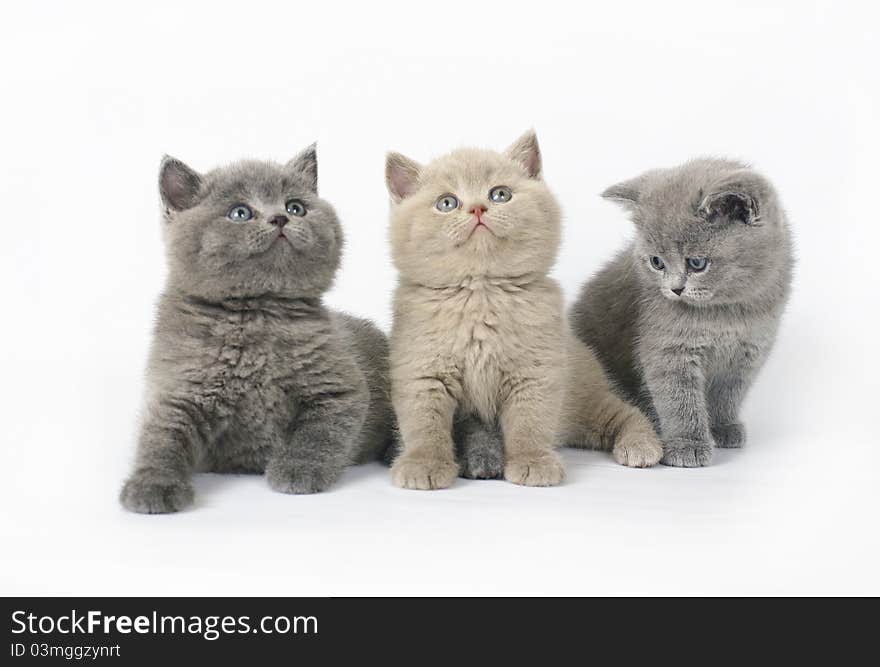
729 435
293 478
642 451
482 465
156 495
539 470
686 453
423 474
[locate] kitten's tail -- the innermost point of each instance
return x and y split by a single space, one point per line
594 417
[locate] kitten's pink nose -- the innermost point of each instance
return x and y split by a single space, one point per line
279 221
477 211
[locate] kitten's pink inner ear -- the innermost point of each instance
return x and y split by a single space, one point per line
179 184
532 162
175 188
402 175
526 151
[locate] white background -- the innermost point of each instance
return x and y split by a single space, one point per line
93 94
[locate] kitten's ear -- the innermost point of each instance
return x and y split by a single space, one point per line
178 184
629 193
736 198
526 152
626 193
305 167
401 176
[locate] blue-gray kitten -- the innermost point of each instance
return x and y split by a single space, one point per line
684 316
249 372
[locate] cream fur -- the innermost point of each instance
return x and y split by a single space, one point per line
479 327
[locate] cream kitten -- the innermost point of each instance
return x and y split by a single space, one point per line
480 350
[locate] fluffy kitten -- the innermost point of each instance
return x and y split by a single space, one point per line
249 372
685 315
480 350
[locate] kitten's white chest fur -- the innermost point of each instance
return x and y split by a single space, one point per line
478 344
482 338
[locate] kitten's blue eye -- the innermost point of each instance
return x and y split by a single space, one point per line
657 263
240 213
698 263
296 207
500 194
446 203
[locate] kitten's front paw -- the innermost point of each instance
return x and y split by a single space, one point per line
146 494
729 435
286 477
418 473
686 453
540 469
638 451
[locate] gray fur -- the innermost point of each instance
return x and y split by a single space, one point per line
688 360
479 448
249 372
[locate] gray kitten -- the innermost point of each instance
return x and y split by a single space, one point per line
685 316
249 372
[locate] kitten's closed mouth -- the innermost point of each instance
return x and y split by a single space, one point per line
477 225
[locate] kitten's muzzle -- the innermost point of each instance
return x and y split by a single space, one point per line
477 221
279 221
